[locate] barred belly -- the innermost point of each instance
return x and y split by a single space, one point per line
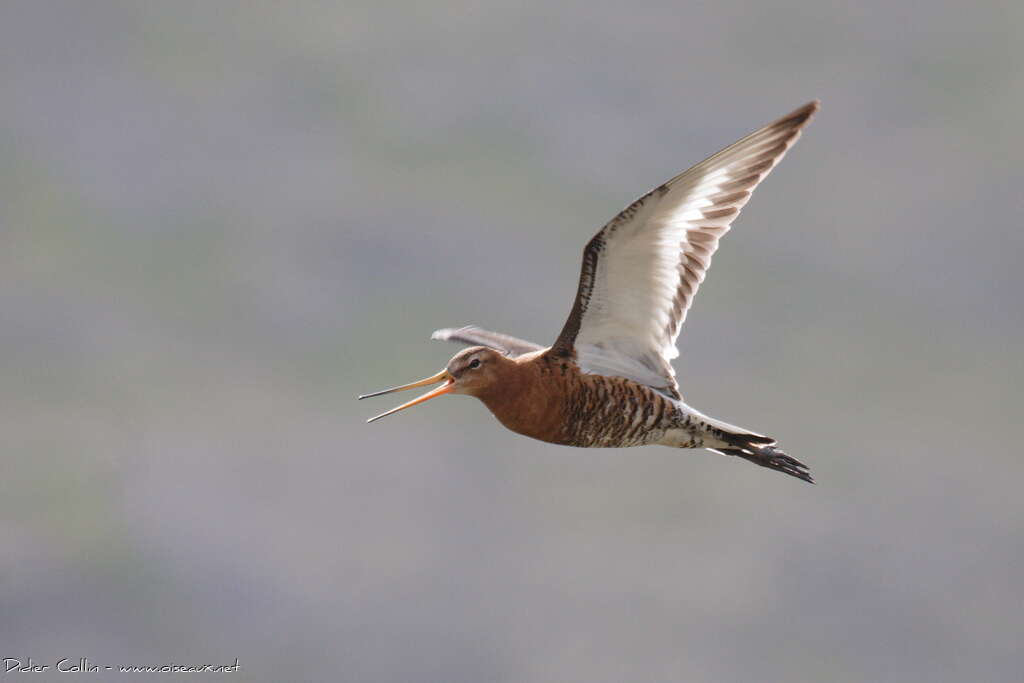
613 412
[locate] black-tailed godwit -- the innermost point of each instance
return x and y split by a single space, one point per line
608 381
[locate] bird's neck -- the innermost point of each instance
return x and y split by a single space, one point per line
527 399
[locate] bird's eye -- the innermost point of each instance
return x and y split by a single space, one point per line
474 364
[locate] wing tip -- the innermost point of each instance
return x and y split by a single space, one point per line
801 115
446 333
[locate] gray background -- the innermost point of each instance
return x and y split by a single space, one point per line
222 221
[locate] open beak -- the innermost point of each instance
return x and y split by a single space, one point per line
443 376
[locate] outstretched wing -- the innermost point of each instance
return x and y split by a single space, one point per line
474 336
642 270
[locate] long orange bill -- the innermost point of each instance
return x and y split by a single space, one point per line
433 393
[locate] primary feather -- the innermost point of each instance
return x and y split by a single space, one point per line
474 336
641 271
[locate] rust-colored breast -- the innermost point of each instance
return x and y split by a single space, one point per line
551 400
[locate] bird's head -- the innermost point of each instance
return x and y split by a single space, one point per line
471 371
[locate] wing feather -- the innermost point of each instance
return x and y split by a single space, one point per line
641 272
474 336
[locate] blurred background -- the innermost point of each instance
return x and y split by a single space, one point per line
222 221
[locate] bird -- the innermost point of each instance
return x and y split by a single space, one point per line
607 381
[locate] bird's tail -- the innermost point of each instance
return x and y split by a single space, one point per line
761 450
727 439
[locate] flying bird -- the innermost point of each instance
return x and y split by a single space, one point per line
608 381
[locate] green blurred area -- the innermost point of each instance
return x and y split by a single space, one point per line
221 222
